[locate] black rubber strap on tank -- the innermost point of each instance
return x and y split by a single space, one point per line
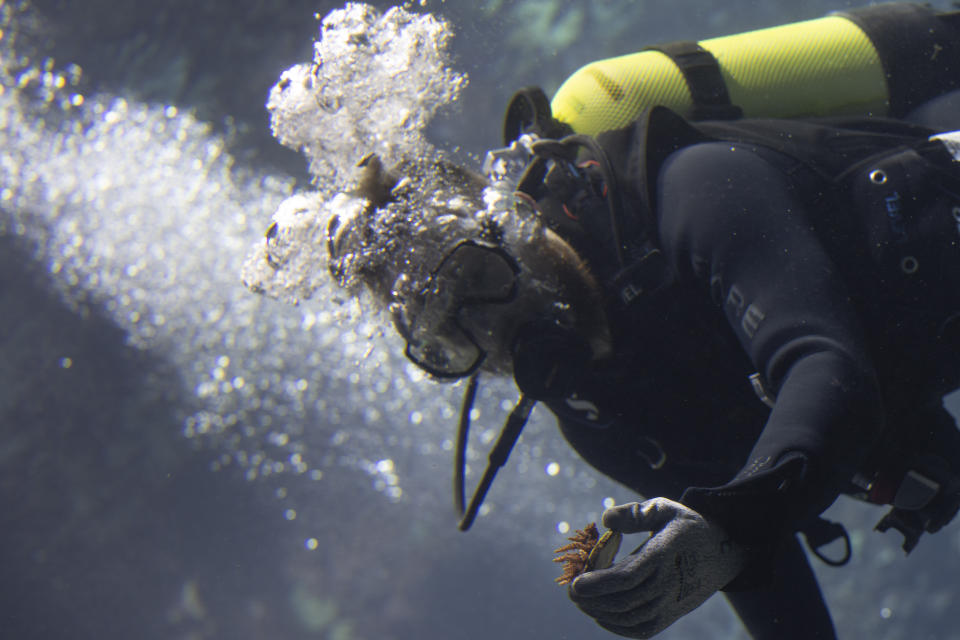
918 48
700 69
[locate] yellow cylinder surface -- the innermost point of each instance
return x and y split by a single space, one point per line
826 66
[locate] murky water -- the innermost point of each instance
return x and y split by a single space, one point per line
279 470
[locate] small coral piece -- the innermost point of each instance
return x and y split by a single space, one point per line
581 544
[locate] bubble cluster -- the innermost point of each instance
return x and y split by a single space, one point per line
375 81
380 228
140 214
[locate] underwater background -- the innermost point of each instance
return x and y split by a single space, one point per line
182 459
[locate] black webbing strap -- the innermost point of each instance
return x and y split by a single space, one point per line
700 69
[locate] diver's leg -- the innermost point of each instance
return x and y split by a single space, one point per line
791 607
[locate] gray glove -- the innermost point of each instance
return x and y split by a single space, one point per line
686 559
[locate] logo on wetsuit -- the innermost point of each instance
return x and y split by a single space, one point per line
749 315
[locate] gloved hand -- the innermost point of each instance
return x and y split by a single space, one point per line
685 561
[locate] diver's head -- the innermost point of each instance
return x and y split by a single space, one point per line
466 283
473 280
485 296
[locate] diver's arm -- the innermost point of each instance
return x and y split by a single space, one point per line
728 220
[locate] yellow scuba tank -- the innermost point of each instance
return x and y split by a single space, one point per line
880 60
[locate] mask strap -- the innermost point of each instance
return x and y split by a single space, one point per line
498 455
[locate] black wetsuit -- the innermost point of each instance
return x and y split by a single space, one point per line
838 291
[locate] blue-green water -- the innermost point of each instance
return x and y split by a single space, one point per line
180 458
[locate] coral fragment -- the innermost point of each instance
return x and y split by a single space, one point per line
581 544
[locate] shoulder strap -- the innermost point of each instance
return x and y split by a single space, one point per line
639 151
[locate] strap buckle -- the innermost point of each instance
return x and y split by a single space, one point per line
920 505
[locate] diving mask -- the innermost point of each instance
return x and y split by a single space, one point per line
436 325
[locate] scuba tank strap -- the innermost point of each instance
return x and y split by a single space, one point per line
701 72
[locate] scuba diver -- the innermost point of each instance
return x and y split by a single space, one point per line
731 269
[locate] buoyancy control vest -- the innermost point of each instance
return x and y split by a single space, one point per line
881 60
